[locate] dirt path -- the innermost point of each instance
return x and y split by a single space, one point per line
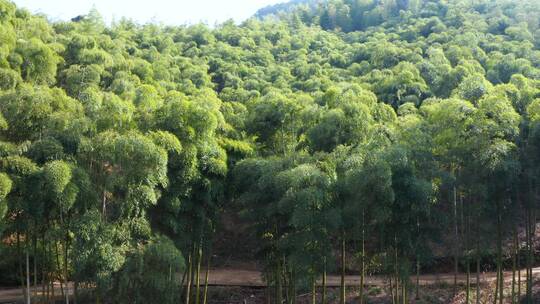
15 295
252 278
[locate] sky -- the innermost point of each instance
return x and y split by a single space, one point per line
169 12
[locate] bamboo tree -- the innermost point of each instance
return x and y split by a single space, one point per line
417 294
477 253
117 144
342 290
456 240
392 294
35 255
206 277
514 264
518 268
323 298
279 282
363 258
396 270
500 278
27 255
529 255
198 273
189 277
467 258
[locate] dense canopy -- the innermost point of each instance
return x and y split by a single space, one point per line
377 133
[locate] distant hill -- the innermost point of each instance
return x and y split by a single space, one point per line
359 15
285 7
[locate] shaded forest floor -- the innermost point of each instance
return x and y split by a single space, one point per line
246 286
439 293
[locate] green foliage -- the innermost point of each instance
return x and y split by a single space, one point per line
78 78
150 274
167 141
9 79
533 110
18 166
346 120
57 175
97 251
39 61
5 187
3 123
473 88
369 190
34 112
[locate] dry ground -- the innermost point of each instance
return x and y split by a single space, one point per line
231 285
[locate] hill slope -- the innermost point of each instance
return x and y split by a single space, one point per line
384 129
285 7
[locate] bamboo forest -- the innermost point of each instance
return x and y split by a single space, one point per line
318 152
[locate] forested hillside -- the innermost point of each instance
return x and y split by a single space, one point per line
286 7
376 129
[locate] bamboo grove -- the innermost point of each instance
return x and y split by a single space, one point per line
359 136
